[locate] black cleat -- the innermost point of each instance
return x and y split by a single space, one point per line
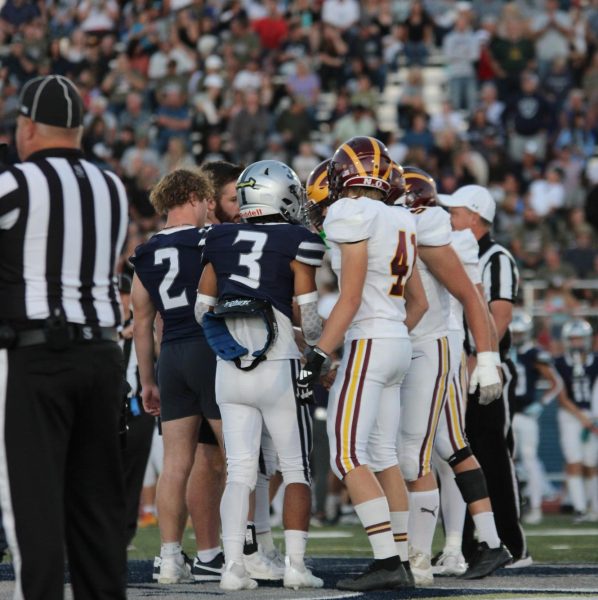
378 578
208 571
487 560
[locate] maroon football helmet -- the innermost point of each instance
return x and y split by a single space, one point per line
420 188
316 188
397 184
361 161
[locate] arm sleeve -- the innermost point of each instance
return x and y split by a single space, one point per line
311 250
347 221
311 322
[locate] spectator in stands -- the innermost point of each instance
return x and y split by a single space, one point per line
527 117
250 77
367 46
333 51
359 121
411 100
134 115
272 28
175 157
120 81
557 83
551 29
461 51
365 94
547 194
448 119
419 133
294 124
418 34
15 13
305 161
98 16
304 84
512 52
510 204
343 14
579 137
571 164
583 253
554 267
173 117
590 79
248 129
529 241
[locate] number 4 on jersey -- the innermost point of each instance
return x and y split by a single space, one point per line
399 265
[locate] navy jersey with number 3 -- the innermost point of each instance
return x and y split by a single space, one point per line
169 267
254 260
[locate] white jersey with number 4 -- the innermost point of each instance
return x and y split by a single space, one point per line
391 236
433 225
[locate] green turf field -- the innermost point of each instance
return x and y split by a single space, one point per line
556 540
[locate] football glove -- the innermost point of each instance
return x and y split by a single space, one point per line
309 374
486 376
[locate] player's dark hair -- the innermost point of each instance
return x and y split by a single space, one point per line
221 173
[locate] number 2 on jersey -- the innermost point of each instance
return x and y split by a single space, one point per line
251 259
399 265
172 256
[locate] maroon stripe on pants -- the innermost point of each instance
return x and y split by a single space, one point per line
341 406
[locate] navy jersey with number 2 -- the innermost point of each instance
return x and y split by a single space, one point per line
169 267
254 260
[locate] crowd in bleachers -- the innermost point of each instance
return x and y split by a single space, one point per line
179 82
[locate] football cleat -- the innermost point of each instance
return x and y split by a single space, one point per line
376 578
533 517
208 571
421 567
258 566
175 569
158 563
449 562
296 577
234 578
487 560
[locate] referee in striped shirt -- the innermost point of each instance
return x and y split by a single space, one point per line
488 427
62 226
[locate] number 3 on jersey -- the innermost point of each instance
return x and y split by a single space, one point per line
250 259
399 265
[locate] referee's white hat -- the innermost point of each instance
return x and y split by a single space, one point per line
474 197
52 100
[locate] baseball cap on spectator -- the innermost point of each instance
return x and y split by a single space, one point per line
474 197
213 62
52 100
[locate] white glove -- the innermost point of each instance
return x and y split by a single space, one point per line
486 376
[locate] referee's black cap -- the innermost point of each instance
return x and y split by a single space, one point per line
52 100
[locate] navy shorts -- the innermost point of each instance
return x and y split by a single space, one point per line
186 377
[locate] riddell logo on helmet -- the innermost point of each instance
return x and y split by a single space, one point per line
254 212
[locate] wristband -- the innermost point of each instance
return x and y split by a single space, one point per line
487 359
496 357
320 352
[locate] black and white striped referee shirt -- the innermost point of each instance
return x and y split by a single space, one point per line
500 278
63 223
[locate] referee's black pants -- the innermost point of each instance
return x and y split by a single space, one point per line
61 480
490 436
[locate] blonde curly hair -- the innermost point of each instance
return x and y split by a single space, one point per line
179 187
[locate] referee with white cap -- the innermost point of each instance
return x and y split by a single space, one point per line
62 227
488 427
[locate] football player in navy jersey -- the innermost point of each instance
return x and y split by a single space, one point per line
532 364
167 269
578 417
252 272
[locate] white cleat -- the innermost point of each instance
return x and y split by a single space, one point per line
276 557
450 562
235 578
421 567
174 569
533 517
259 566
296 577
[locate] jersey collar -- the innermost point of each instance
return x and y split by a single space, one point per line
484 243
58 152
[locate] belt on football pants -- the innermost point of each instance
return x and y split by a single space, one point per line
76 333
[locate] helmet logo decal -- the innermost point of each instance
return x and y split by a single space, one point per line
244 184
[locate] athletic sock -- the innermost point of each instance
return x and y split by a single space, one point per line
577 493
206 556
486 528
375 518
423 516
295 542
170 549
452 504
399 521
592 493
331 506
233 514
262 505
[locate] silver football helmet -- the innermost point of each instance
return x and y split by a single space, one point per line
521 327
269 187
577 336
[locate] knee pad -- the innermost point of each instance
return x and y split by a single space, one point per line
296 476
242 471
409 467
459 456
472 485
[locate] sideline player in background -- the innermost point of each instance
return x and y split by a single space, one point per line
167 270
578 417
381 298
252 272
488 426
532 364
424 407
